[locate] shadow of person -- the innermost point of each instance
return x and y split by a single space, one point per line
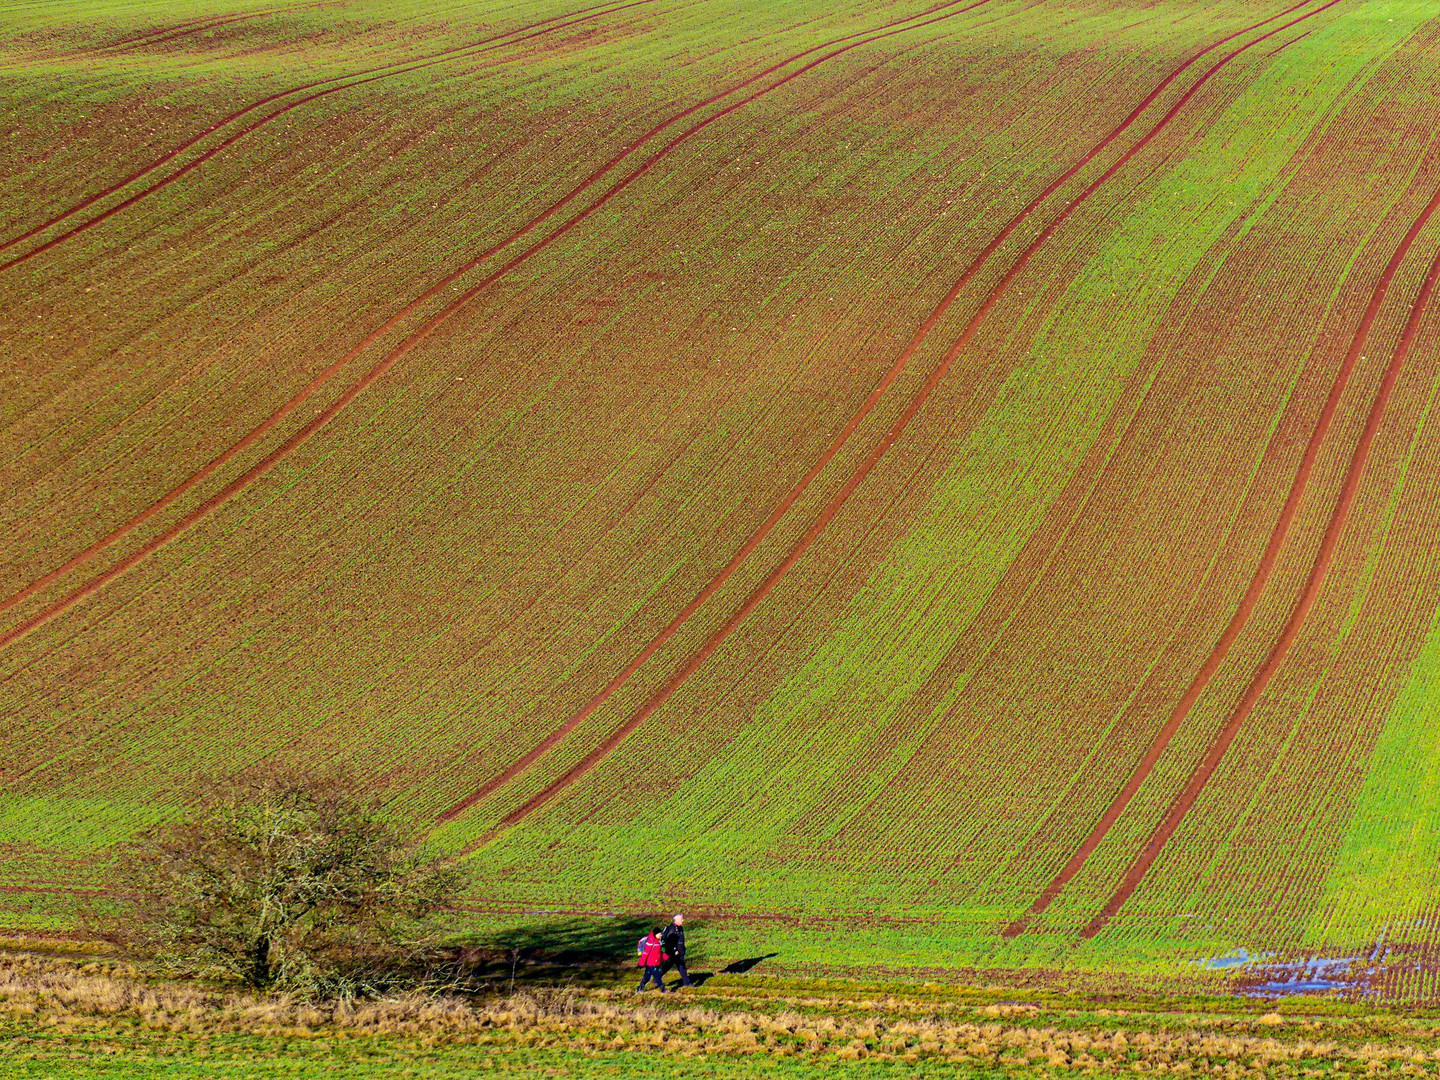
739 967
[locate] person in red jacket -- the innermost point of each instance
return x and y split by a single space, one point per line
652 960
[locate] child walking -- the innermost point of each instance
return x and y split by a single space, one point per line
652 959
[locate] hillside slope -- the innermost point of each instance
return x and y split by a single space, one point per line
957 475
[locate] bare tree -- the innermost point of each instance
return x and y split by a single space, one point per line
288 881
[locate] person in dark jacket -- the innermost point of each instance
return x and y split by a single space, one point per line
652 961
674 941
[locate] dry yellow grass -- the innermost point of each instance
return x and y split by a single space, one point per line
52 995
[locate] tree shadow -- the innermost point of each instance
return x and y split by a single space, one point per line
584 950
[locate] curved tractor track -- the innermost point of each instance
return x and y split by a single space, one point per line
385 71
178 30
209 24
932 15
146 38
153 32
873 458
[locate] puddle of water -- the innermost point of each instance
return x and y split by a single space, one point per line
1298 986
1316 975
1233 959
1265 977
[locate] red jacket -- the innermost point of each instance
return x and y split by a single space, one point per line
652 953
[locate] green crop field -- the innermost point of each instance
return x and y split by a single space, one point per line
930 488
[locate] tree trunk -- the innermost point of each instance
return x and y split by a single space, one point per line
259 975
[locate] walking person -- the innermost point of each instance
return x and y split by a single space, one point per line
674 941
651 951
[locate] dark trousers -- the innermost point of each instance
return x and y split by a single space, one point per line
648 973
679 965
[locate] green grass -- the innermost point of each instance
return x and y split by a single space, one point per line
262 1059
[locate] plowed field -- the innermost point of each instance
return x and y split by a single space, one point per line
925 486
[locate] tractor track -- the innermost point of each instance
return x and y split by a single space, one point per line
165 33
1319 570
385 71
615 521
154 31
1034 561
211 24
1292 41
948 10
688 668
135 41
156 35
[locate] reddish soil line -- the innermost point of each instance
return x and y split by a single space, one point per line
543 216
195 26
154 35
529 758
185 26
143 193
417 64
121 44
155 31
839 441
634 145
1287 44
1324 559
210 25
381 367
1248 600
171 154
50 889
480 646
